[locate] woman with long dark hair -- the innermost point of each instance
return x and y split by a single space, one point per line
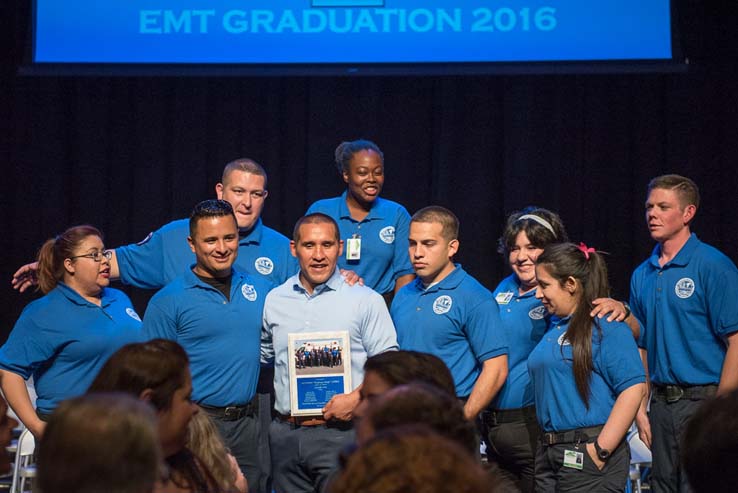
587 376
158 371
63 338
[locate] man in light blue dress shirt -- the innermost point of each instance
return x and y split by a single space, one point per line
305 448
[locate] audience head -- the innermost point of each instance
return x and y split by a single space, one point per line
205 442
710 445
158 372
59 259
410 459
419 403
100 442
392 368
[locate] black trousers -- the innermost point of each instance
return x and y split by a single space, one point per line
512 445
668 424
552 476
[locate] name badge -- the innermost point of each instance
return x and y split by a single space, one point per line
573 459
353 248
504 298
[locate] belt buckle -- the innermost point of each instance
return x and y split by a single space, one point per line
232 412
549 438
673 393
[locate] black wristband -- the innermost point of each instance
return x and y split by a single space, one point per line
627 310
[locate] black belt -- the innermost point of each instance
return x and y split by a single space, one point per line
673 393
580 435
496 417
230 413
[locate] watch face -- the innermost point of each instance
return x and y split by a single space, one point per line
603 454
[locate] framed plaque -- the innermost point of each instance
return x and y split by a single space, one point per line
320 367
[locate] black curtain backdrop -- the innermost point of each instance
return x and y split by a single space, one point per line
128 154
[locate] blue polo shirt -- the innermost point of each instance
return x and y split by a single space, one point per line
383 233
333 306
456 319
63 340
686 308
221 337
524 320
165 254
617 366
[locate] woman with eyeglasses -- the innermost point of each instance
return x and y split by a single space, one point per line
64 338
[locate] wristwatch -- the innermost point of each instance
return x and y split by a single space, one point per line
602 453
627 309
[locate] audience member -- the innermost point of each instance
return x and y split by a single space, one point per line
411 459
710 446
100 443
205 442
158 372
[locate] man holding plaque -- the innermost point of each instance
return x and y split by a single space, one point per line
446 312
315 405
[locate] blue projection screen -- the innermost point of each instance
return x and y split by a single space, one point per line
349 31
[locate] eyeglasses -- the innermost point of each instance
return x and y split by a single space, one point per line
96 256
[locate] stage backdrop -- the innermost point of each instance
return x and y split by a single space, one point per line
128 154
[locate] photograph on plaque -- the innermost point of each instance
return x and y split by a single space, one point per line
320 368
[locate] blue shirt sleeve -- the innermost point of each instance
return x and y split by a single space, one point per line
637 309
722 306
159 321
401 265
378 332
28 346
619 363
484 331
142 264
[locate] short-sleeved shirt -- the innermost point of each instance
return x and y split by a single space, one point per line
524 320
686 308
383 232
62 341
455 319
333 306
165 254
617 366
221 336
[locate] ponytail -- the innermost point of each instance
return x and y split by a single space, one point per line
54 251
588 268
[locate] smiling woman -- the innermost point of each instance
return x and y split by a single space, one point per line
63 338
374 230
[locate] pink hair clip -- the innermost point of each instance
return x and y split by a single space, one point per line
585 250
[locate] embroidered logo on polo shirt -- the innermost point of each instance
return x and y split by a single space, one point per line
537 313
248 292
563 341
132 313
442 304
684 287
387 234
264 265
